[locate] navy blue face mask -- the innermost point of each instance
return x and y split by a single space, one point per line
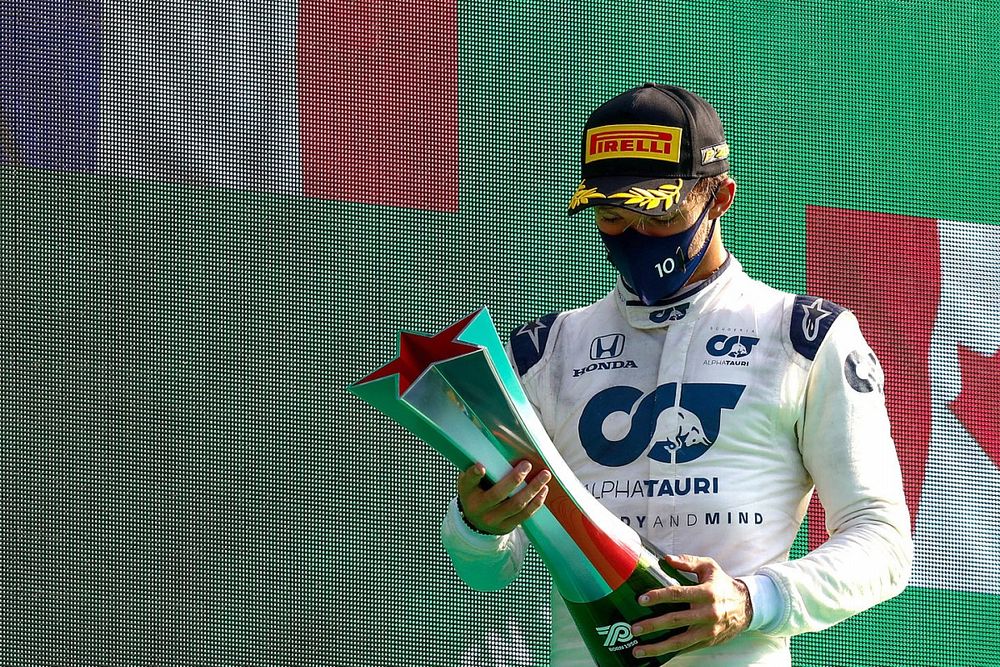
655 267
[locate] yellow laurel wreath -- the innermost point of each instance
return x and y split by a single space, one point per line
584 194
666 196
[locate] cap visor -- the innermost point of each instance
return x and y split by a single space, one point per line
654 196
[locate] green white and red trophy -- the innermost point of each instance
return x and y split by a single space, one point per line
457 391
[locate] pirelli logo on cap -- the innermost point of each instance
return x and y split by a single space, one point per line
652 142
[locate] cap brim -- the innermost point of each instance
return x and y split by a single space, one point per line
652 196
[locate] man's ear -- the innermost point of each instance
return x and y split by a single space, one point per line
723 198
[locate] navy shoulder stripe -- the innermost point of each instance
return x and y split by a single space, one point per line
812 317
527 342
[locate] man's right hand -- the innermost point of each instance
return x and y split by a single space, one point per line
491 510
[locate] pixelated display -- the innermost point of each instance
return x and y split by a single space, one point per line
214 216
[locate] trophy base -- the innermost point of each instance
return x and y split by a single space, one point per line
606 623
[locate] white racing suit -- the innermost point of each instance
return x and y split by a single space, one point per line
705 424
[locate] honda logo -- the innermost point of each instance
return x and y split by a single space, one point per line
607 347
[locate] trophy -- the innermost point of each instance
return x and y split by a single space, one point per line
457 391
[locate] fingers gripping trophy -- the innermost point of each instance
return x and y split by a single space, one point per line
457 391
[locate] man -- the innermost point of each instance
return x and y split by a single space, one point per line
732 402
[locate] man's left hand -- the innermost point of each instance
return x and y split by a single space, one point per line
720 609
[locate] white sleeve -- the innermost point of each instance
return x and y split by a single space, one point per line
484 562
847 448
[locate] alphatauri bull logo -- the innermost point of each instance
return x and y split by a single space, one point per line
675 423
677 428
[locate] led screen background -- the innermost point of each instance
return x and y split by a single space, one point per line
216 216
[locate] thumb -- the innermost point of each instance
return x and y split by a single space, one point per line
469 478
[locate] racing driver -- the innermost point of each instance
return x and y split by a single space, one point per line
761 397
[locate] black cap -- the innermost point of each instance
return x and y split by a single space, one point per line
647 148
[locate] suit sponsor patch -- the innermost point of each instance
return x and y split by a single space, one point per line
669 314
812 318
528 341
675 423
863 372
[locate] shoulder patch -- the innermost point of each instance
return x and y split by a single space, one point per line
812 317
527 342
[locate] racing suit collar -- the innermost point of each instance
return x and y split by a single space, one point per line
685 305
